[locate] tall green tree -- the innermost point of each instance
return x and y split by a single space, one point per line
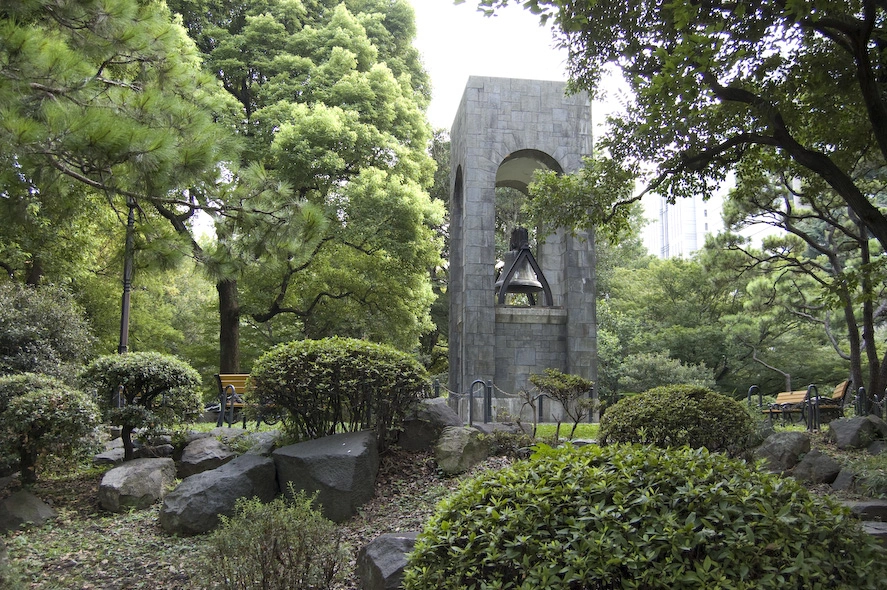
105 108
827 269
332 99
782 84
105 95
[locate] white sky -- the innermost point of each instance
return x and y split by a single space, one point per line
458 41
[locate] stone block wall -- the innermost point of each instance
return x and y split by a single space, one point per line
504 127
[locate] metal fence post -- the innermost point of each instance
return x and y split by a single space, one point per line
861 402
471 399
751 391
812 403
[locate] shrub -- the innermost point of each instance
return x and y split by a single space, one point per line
39 414
338 384
281 545
42 330
677 415
158 390
569 391
644 518
644 371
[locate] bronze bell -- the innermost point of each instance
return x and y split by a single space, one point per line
524 279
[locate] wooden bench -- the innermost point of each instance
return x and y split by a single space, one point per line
231 389
231 401
788 403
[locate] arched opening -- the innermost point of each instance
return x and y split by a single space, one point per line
513 178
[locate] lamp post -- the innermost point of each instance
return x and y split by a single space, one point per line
128 254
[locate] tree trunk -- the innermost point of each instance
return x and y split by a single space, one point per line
28 463
35 272
229 327
126 438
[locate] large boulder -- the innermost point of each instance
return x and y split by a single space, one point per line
856 433
783 450
424 424
340 468
195 505
21 508
817 467
380 564
202 455
136 484
459 449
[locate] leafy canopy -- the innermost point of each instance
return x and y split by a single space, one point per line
792 86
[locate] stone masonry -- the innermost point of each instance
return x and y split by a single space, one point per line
503 131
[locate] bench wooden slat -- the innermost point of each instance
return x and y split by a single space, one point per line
237 382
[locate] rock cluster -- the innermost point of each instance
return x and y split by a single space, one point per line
341 469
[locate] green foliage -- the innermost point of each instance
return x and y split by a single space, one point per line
42 330
677 415
339 384
158 390
643 371
642 518
281 545
569 390
332 98
40 414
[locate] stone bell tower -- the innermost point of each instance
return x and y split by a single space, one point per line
504 130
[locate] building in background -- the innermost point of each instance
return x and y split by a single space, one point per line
679 230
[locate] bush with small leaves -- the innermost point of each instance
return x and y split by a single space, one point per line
339 385
643 518
143 390
42 330
40 414
280 545
676 415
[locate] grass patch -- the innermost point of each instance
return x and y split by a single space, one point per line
583 430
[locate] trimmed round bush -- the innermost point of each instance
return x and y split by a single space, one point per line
677 415
158 390
41 415
42 330
644 518
338 385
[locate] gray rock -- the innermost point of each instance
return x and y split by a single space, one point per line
195 505
845 482
854 433
340 468
868 509
227 435
817 467
491 427
878 530
877 447
112 453
459 449
262 443
202 455
380 564
783 450
136 484
154 451
423 425
22 508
